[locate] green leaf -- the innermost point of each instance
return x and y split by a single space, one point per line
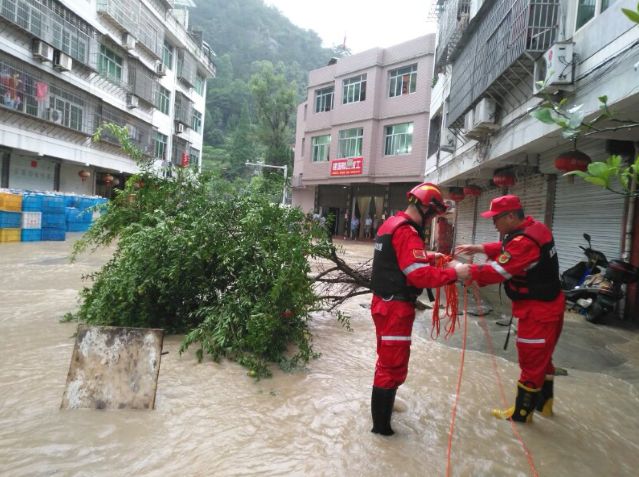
633 16
624 179
596 181
603 99
614 161
581 174
544 115
598 169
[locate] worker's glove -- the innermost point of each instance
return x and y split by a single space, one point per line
463 272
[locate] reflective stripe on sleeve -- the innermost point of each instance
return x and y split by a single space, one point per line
531 265
532 340
501 270
396 338
414 266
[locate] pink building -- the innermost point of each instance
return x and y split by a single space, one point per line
362 133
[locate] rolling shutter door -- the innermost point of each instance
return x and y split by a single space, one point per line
532 191
31 173
485 229
464 221
582 207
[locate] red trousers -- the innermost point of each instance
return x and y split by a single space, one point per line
393 326
536 340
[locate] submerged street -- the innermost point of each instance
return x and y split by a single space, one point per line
212 419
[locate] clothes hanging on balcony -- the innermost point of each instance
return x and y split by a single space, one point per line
41 91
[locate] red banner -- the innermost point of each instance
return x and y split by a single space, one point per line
350 166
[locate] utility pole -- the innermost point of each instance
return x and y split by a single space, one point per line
284 169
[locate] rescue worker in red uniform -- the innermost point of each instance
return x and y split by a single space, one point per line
526 261
401 269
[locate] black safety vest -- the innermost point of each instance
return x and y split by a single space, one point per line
541 282
388 280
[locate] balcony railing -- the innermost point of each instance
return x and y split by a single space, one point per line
434 135
140 133
183 109
142 82
181 147
453 19
498 52
187 67
26 90
135 18
56 25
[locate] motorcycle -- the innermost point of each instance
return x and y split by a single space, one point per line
593 292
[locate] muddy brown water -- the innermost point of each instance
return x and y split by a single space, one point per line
212 419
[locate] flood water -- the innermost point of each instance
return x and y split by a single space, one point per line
212 419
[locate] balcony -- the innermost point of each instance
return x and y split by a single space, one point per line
453 20
186 68
124 14
142 82
496 53
27 91
56 25
140 133
183 109
181 150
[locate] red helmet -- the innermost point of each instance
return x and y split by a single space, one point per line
429 196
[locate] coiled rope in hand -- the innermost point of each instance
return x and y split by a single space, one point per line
452 305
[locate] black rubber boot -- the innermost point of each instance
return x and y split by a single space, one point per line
381 409
524 407
546 397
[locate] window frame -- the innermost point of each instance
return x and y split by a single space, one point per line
108 59
398 143
168 53
162 100
598 10
320 151
350 141
399 78
200 81
354 89
321 96
196 120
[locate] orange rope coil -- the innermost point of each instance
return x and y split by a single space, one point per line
452 305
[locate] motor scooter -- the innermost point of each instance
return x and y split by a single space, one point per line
592 292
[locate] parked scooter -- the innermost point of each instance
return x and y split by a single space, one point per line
593 292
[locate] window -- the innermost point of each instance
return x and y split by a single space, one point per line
589 9
403 81
350 142
324 99
199 84
68 114
167 55
354 89
398 139
321 148
194 158
163 99
160 142
196 121
110 64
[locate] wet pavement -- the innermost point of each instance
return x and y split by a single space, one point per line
213 419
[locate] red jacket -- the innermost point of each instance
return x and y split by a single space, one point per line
521 253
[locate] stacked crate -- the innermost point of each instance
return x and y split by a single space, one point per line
78 220
10 210
31 217
54 222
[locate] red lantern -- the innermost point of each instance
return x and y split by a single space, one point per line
456 194
572 161
108 179
504 179
472 190
84 175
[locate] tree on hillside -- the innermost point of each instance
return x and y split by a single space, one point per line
242 146
275 101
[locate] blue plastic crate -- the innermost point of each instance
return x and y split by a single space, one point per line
31 235
78 216
77 226
54 220
10 220
86 202
53 203
32 202
70 200
53 234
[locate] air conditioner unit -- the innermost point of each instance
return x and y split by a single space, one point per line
54 115
179 128
485 116
41 50
447 140
468 120
132 101
61 61
553 71
128 41
160 68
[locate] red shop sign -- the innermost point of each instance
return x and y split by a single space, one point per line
350 166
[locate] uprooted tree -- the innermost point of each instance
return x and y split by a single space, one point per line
222 263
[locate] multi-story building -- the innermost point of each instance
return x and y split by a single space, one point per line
68 66
361 134
490 58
